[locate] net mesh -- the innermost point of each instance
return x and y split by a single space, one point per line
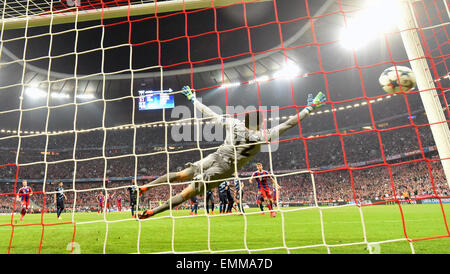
325 165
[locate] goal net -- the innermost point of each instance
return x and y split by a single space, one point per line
91 98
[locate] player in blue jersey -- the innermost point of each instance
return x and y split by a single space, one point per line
243 141
262 178
210 202
239 194
230 199
59 199
223 197
24 195
133 198
260 202
194 205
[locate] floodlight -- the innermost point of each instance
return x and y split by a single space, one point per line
378 17
288 71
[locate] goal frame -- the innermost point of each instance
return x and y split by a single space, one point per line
55 18
408 28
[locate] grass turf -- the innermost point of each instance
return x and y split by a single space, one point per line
227 233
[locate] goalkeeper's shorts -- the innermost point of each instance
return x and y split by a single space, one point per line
214 168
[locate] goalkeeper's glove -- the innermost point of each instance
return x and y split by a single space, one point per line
314 103
187 91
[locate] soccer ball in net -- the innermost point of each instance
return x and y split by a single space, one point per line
390 82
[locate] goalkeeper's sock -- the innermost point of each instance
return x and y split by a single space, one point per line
172 176
176 200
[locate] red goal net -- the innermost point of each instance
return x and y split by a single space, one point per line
366 161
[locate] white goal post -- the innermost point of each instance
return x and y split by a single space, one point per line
430 99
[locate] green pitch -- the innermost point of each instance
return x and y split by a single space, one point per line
226 232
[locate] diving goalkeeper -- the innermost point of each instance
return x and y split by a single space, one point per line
241 144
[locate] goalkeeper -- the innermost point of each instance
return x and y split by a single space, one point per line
241 144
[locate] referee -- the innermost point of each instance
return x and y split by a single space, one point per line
59 199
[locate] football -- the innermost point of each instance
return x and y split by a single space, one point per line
399 78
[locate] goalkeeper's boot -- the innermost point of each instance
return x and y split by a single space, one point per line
273 214
146 214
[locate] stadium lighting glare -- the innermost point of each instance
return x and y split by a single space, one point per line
378 17
60 95
259 79
85 96
262 78
230 85
288 71
35 92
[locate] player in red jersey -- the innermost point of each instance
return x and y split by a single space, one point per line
119 203
24 194
100 199
274 196
108 202
262 178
